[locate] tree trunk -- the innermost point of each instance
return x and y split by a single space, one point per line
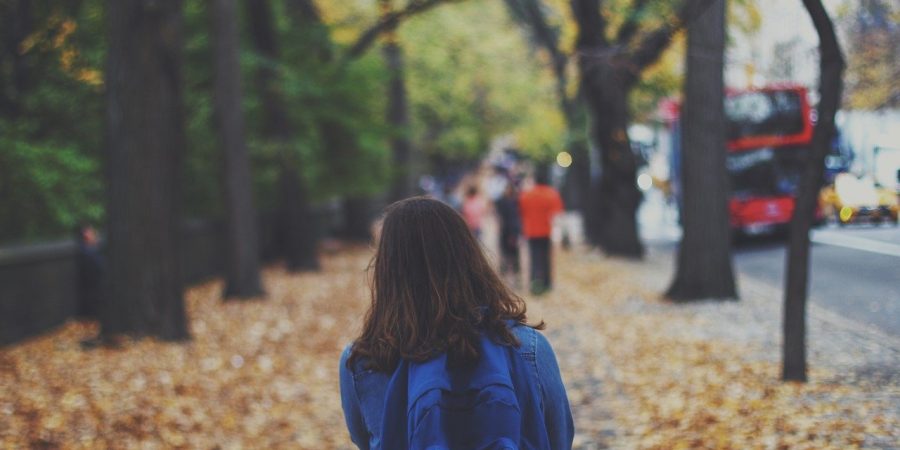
242 278
614 194
145 137
398 118
580 175
546 35
704 257
608 73
578 178
298 236
358 218
18 24
397 112
605 84
581 172
298 230
831 67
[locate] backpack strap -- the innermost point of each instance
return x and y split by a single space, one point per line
492 368
394 423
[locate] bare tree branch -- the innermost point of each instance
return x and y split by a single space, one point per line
648 49
533 16
305 11
630 26
390 21
304 14
591 25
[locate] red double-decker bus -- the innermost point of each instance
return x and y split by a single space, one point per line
769 131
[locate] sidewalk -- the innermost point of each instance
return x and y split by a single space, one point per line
640 373
645 373
705 375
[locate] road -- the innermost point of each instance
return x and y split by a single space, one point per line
854 271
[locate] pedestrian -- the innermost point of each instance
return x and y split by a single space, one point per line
446 358
507 207
90 268
473 209
538 206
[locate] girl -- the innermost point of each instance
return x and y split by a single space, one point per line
435 298
473 209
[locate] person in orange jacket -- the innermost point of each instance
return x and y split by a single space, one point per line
538 206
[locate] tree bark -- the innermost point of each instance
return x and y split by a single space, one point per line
298 229
398 118
831 68
298 233
397 111
581 172
605 84
145 139
704 267
390 21
358 216
304 11
609 72
614 198
18 23
242 278
531 15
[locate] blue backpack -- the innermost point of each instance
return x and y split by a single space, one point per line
430 406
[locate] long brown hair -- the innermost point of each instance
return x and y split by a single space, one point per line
433 291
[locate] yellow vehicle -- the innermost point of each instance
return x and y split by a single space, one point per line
851 199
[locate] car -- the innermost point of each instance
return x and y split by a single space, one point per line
851 199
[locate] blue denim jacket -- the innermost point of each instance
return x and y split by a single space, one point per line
363 391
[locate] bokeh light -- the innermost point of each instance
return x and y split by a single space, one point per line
846 213
564 159
645 182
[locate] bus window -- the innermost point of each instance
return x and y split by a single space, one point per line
756 114
765 172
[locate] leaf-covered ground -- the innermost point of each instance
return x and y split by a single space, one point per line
263 374
702 375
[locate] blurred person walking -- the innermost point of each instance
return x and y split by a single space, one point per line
507 207
473 209
91 267
538 206
446 358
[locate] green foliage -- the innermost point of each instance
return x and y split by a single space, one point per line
744 16
202 161
654 14
340 140
470 75
471 78
51 126
47 187
664 78
659 81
